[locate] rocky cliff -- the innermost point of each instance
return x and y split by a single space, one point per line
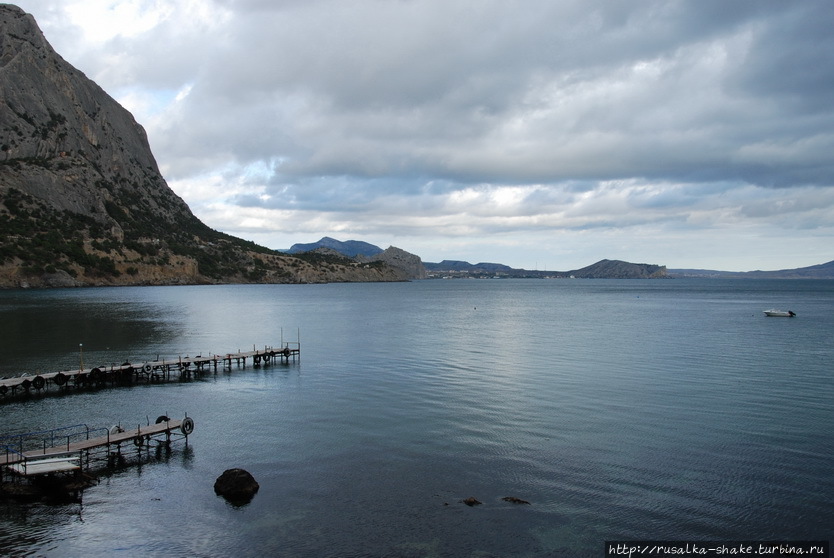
394 257
82 201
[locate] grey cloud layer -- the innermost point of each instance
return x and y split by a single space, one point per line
516 93
532 115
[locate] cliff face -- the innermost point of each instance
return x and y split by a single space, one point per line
394 257
82 201
64 140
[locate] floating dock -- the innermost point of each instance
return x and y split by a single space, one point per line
69 449
150 371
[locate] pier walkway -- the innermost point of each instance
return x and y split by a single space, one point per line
155 370
71 448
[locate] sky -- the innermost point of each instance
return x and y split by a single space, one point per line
540 134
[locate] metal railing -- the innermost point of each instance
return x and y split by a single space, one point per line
45 439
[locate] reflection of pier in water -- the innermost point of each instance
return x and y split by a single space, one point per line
159 370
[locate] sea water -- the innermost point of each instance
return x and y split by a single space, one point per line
621 410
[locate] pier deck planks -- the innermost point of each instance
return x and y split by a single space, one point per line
128 435
185 365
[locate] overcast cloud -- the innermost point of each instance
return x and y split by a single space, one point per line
532 133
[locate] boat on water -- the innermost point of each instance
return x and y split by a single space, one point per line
780 313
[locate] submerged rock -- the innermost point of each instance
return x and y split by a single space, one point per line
237 486
48 489
514 500
471 502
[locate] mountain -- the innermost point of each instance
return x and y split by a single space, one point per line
616 269
400 259
821 271
82 201
356 252
349 248
603 269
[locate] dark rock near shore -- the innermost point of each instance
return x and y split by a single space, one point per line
48 489
237 486
471 502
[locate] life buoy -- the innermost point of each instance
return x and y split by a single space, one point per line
60 379
38 382
26 384
4 389
286 351
266 357
139 441
147 368
96 375
187 426
162 418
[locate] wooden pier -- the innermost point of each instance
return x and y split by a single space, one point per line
69 449
150 371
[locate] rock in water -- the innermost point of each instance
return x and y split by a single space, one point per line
237 486
514 500
471 501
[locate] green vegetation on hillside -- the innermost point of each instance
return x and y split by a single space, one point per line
46 240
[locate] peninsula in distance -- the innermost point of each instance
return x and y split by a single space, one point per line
604 269
83 202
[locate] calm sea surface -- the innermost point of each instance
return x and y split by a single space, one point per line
620 409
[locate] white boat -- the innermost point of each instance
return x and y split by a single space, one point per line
780 313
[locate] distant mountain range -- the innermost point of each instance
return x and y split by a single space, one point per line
363 251
349 248
603 269
821 271
616 269
362 255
